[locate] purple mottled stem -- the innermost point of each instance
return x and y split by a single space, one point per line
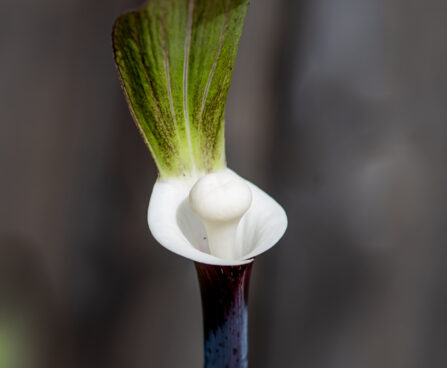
224 291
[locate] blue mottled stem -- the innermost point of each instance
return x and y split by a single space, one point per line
224 291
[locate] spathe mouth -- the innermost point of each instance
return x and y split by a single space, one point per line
176 227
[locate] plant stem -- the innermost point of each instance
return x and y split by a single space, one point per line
224 291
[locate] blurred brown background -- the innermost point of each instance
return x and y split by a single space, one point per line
337 108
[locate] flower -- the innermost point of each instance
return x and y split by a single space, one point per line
175 59
175 226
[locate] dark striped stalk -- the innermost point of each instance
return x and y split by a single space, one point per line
224 291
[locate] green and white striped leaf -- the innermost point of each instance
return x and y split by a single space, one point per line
175 59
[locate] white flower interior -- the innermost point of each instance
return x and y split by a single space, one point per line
223 198
220 200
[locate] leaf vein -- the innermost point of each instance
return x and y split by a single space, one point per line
185 77
213 68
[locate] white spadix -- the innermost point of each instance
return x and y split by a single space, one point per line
220 200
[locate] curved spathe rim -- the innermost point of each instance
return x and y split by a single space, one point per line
174 225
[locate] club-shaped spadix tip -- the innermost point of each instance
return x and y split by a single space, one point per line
221 199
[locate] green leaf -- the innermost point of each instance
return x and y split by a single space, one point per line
175 59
